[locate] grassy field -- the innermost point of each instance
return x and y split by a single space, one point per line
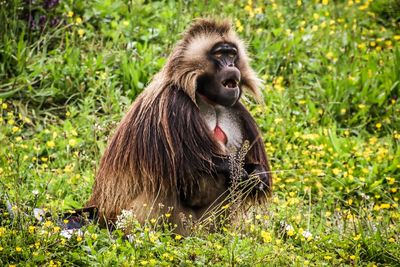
331 125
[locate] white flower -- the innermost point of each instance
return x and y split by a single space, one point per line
307 234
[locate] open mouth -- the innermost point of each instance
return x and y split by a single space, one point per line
230 83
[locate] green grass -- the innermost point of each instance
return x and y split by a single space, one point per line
331 125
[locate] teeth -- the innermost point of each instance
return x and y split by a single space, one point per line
230 83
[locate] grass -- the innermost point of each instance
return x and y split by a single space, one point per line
331 125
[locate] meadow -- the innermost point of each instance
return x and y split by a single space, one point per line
330 121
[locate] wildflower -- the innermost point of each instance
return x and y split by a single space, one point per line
391 240
239 26
329 55
72 142
79 238
356 237
31 229
4 105
327 257
289 230
336 171
70 14
18 249
2 231
328 213
81 32
78 20
378 125
48 223
325 2
307 235
352 257
50 144
390 180
396 37
267 237
178 237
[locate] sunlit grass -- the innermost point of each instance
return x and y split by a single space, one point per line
331 125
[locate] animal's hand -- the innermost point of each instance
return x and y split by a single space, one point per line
264 183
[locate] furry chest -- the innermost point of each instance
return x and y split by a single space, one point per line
225 124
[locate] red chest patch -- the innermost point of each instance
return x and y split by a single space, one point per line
220 135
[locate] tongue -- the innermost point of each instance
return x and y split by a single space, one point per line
220 135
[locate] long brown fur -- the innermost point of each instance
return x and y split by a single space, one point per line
163 148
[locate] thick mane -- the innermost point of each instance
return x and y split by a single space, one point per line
151 149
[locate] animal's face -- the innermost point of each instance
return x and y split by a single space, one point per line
220 84
211 62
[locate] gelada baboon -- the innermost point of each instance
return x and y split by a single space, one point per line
170 151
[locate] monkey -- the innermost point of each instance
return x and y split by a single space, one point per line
170 152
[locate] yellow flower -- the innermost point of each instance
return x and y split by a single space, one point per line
70 14
328 258
51 144
178 237
125 23
15 129
18 249
79 238
72 142
2 231
239 26
31 229
336 171
329 55
396 37
352 257
325 2
357 237
81 32
48 223
78 20
267 237
4 105
390 180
